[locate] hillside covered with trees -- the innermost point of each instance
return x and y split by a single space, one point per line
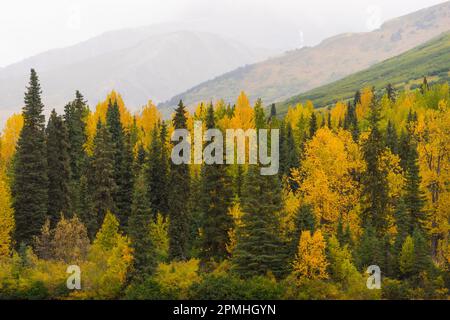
363 183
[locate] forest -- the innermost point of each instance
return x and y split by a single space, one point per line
361 183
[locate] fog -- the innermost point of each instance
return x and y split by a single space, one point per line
28 27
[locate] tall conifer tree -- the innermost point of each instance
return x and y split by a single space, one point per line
178 199
58 169
102 183
30 186
259 249
216 197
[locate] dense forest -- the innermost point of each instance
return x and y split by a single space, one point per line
361 183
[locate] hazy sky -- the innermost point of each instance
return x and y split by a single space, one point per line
28 27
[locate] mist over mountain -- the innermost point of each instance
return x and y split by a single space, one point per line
142 63
301 70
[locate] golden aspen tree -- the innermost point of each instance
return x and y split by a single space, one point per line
10 136
433 131
6 218
311 262
338 114
146 122
362 108
326 180
243 114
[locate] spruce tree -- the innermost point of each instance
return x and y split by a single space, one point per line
289 157
357 98
144 261
351 121
75 114
391 138
370 250
86 208
391 94
30 185
178 198
375 188
260 117
425 86
312 125
157 171
422 259
273 111
58 163
259 249
414 199
216 196
125 186
102 183
122 164
403 225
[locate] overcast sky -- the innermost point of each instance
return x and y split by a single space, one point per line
28 27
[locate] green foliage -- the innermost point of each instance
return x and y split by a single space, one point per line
30 185
178 199
101 179
75 113
139 231
216 197
157 171
430 58
58 164
375 191
407 256
259 249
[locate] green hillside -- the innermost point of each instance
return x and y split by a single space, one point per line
405 71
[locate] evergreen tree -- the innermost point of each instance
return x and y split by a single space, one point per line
125 186
30 185
425 86
74 114
259 249
102 183
403 225
144 261
375 188
370 249
422 259
273 111
74 119
357 98
289 157
312 125
391 138
58 163
157 171
414 199
216 197
260 117
122 164
86 209
178 198
351 121
391 94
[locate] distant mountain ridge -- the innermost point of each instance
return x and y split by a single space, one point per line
405 71
142 63
301 70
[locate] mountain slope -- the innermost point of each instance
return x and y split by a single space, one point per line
431 59
301 70
140 63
